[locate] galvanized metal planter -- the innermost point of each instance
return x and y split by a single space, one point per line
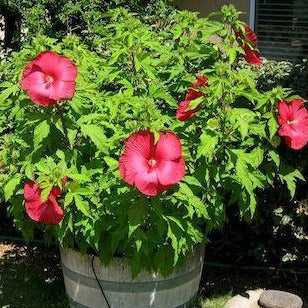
147 290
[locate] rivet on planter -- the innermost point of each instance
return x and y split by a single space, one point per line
279 299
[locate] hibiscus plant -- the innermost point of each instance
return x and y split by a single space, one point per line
136 145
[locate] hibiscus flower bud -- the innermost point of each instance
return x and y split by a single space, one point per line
193 93
245 39
249 35
49 78
184 113
152 167
47 212
293 120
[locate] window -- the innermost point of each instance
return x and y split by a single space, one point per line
282 27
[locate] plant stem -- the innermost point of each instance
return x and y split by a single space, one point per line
61 113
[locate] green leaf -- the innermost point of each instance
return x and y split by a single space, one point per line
241 118
96 134
199 207
209 141
29 171
68 199
82 205
272 126
177 31
289 175
176 221
10 186
46 192
79 177
71 135
191 180
196 204
174 233
232 53
243 127
195 103
164 260
185 190
275 157
111 162
4 95
213 124
60 154
218 90
136 216
242 173
255 157
41 131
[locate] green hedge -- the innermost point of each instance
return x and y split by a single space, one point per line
286 74
59 18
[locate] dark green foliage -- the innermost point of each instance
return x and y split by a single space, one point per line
286 74
131 75
59 18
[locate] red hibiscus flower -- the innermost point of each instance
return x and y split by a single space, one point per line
47 212
150 167
251 36
293 120
252 56
192 92
49 78
183 112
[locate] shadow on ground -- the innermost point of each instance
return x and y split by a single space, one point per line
218 285
31 277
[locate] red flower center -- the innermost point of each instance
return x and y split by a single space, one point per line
49 79
293 122
152 162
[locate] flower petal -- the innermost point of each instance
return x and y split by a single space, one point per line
297 104
40 100
46 212
250 35
55 191
183 114
171 172
193 94
62 90
284 112
168 147
132 163
202 81
252 56
35 81
138 150
297 143
149 185
37 89
32 192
